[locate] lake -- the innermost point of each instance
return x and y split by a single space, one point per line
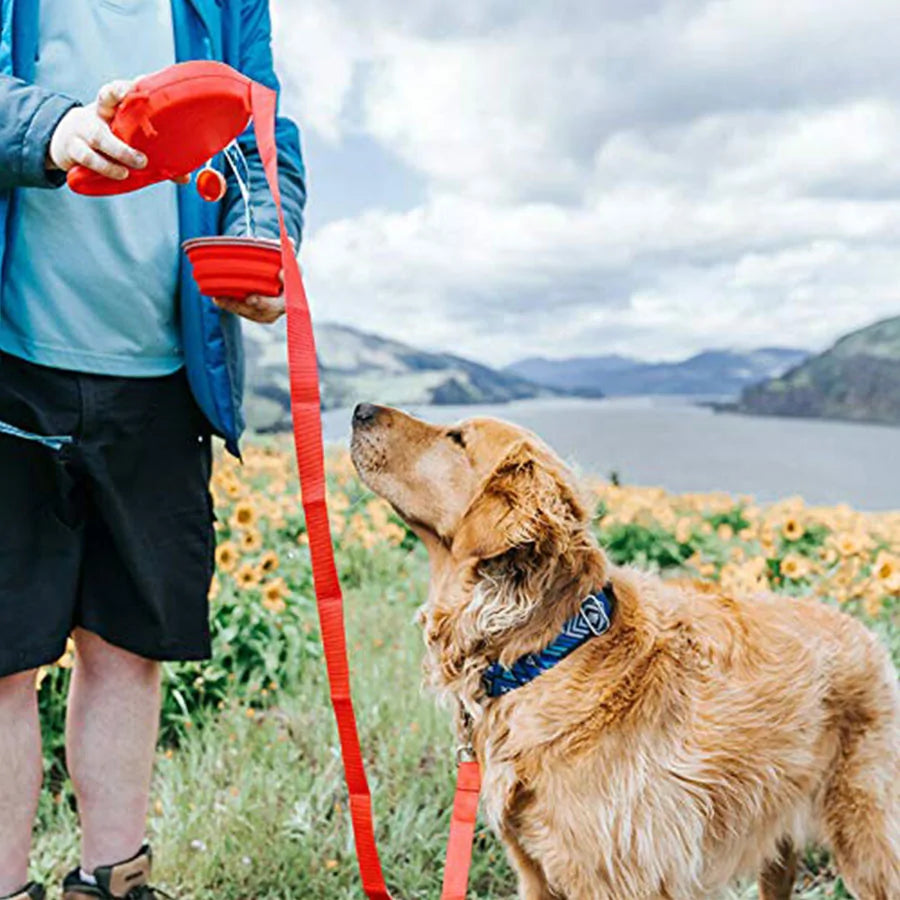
685 447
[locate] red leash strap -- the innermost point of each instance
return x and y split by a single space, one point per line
305 408
462 832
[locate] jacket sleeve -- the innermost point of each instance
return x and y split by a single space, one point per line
256 62
28 117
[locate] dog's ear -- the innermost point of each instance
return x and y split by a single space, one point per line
527 499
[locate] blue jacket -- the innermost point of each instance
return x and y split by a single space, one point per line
237 32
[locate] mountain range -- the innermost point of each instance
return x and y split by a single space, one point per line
856 379
723 373
355 366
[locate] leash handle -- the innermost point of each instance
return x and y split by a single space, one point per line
306 412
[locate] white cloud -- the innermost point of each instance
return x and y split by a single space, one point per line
651 177
317 56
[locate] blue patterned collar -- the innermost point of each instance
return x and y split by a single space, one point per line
593 618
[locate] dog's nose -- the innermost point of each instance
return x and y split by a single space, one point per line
364 414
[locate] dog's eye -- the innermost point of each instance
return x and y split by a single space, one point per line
457 436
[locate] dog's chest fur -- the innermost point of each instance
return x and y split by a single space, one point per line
669 787
651 824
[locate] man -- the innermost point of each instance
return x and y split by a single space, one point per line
113 375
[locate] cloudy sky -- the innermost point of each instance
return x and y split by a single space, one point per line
506 178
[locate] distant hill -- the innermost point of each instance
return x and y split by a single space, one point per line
857 379
355 366
713 372
578 374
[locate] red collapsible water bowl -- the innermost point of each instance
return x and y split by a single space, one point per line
178 117
235 267
181 117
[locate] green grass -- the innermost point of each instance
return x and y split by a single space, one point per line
254 808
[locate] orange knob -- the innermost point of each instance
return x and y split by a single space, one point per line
211 185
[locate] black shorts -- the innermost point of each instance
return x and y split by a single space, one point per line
114 531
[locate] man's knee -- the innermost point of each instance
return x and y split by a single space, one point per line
18 689
99 659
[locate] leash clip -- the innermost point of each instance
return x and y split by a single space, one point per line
465 753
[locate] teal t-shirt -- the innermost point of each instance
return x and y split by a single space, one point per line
90 284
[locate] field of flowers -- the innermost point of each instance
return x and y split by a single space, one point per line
249 800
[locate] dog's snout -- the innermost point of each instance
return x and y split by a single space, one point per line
364 414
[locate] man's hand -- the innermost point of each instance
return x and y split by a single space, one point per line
256 307
83 137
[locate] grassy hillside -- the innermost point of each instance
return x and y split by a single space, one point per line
856 379
249 801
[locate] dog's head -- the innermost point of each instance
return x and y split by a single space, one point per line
479 488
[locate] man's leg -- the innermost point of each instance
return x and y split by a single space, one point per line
40 562
21 772
111 731
148 560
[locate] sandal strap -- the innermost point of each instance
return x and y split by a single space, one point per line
31 891
127 880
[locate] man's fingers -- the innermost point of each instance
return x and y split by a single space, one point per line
91 159
265 309
238 307
255 308
111 95
109 145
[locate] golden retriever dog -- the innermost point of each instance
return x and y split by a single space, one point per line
701 737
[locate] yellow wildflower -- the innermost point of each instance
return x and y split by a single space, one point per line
393 533
244 516
795 566
684 529
886 571
849 543
269 562
873 604
886 567
234 489
251 540
226 556
274 593
247 576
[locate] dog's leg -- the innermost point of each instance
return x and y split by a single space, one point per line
862 814
532 883
776 881
867 856
865 838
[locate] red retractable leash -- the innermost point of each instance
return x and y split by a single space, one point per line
305 407
180 117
